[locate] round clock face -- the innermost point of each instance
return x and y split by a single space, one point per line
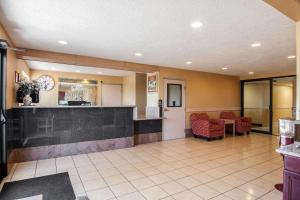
46 82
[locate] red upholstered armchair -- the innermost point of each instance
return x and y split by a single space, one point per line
242 124
209 128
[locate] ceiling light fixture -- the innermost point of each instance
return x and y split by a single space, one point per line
138 54
62 42
291 57
188 62
99 72
251 73
224 68
77 71
196 24
256 44
53 68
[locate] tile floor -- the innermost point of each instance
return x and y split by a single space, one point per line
244 167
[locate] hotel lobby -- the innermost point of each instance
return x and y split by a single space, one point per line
151 100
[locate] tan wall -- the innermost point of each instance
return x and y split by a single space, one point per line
141 93
13 65
206 92
50 98
129 90
282 104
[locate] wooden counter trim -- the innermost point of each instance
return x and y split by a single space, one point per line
72 59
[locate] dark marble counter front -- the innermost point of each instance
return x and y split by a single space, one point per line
42 126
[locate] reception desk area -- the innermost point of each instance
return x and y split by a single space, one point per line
36 132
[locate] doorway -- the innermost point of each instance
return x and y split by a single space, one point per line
174 109
267 100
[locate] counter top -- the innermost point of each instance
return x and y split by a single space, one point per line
124 106
290 150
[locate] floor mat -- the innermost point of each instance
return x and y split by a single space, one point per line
52 187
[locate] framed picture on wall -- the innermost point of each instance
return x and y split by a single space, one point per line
17 77
152 83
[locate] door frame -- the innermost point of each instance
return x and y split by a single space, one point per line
165 99
270 79
3 138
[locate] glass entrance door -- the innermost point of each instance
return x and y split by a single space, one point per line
257 104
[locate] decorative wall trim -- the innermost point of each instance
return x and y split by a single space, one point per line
212 109
54 151
147 138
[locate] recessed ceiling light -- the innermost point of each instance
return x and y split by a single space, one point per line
257 44
138 54
291 57
77 71
188 62
99 72
196 24
251 73
53 68
224 68
62 42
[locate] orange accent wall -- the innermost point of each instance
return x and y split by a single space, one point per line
205 92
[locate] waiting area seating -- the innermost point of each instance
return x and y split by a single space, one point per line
242 124
205 127
215 128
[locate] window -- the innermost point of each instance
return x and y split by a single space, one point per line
174 95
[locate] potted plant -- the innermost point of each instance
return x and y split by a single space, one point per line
27 92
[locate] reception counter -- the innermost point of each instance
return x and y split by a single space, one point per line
291 173
47 132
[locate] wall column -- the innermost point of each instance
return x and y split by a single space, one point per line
298 70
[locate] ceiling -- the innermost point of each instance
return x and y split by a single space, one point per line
160 30
37 65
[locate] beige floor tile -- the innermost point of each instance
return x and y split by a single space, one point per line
132 196
133 175
168 198
175 174
221 197
205 192
142 183
189 170
78 188
186 195
100 194
75 179
237 194
253 189
89 176
188 182
220 186
216 173
108 172
154 193
233 180
172 187
273 195
122 189
94 184
150 171
202 177
116 179
160 178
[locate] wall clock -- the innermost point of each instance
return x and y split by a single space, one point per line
46 82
